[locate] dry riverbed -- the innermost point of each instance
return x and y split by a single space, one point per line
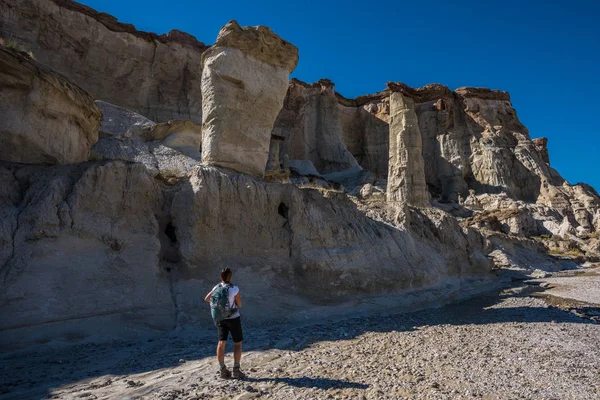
531 341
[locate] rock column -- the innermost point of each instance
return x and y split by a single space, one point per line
333 154
244 81
406 172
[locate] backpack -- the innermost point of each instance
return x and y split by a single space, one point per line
219 303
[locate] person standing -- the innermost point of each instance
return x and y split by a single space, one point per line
225 303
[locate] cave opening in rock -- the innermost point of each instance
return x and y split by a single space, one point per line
170 232
169 243
283 210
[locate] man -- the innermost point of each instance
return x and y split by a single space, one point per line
230 323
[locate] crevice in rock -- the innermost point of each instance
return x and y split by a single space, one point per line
170 260
170 232
169 245
171 271
283 210
6 266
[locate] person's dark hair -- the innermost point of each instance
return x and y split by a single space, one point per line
226 275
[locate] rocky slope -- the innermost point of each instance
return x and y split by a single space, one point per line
404 190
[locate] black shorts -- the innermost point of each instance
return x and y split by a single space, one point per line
230 325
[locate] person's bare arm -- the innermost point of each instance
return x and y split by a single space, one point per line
207 298
238 300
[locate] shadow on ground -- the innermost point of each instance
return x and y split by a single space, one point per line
319 383
55 367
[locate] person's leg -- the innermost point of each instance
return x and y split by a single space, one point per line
221 352
237 353
223 333
236 334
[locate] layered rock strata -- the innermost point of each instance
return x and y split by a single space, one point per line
244 80
157 76
45 118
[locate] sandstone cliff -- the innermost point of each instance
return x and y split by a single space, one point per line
125 240
157 76
311 128
44 118
472 141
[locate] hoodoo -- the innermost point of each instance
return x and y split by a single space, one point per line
245 77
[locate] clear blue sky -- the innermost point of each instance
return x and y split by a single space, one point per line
545 53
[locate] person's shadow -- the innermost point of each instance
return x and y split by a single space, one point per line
318 383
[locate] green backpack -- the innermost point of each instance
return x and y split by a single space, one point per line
219 303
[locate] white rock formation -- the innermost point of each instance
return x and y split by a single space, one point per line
244 80
406 176
310 123
84 254
167 149
119 121
44 118
319 244
157 76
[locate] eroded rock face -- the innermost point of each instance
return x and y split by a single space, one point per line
406 176
143 260
145 235
85 246
315 242
311 126
541 145
471 139
244 80
45 119
156 76
119 121
167 149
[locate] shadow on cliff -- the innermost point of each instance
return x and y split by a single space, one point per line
57 367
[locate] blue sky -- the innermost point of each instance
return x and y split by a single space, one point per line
546 54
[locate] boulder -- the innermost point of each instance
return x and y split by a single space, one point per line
181 135
244 80
45 118
166 149
119 121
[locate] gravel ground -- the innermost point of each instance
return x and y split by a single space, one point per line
507 345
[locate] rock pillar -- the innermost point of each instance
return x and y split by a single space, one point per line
406 172
244 81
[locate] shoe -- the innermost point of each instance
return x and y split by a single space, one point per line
238 374
225 373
